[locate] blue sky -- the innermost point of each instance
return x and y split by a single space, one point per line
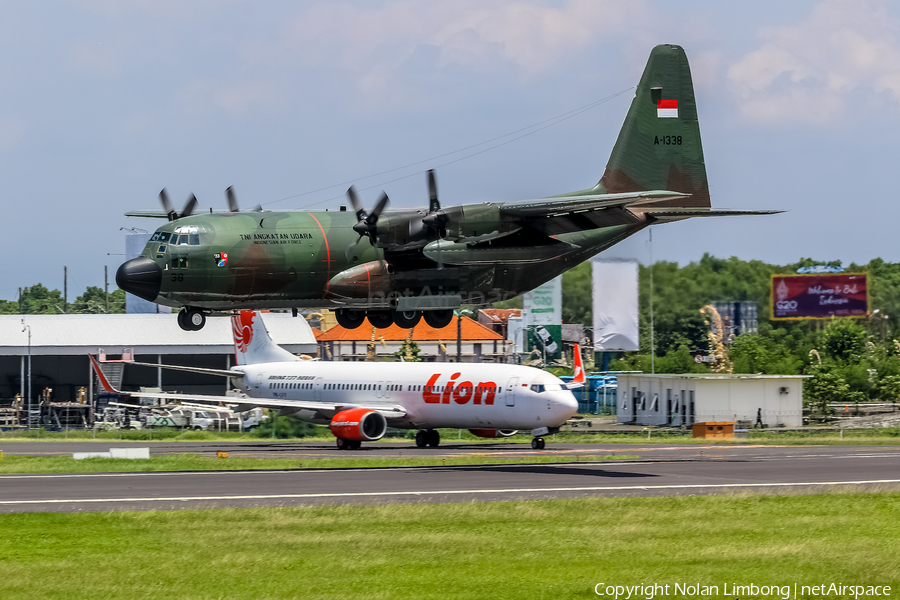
104 103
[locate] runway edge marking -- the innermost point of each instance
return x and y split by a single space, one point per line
449 492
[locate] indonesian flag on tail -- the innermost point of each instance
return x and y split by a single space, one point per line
667 109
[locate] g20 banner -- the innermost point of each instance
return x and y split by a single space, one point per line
819 296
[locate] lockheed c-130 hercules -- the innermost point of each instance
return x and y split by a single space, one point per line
425 262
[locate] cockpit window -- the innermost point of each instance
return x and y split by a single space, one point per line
195 239
183 239
554 387
163 236
537 388
155 237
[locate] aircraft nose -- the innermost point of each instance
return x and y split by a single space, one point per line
140 276
566 406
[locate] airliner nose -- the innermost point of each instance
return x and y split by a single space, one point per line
140 276
566 406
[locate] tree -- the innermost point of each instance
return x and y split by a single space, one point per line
844 340
37 299
825 387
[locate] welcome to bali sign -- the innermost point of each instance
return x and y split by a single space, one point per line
820 296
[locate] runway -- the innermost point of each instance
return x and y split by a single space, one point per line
660 470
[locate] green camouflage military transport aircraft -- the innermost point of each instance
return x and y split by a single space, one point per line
417 263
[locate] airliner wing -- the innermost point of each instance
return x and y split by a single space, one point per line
390 411
203 370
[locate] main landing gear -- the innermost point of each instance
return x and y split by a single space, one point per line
345 444
191 319
428 437
538 443
351 318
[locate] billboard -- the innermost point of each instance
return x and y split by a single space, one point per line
615 301
543 318
819 296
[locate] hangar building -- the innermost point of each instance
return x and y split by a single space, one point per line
675 400
60 344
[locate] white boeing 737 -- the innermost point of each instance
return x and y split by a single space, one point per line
358 401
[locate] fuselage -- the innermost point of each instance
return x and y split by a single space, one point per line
248 260
433 395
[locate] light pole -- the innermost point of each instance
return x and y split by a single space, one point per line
28 404
459 316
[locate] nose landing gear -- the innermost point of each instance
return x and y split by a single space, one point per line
538 443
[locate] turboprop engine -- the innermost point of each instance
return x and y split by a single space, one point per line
356 425
493 433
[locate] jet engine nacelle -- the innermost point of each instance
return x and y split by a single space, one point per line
493 433
359 425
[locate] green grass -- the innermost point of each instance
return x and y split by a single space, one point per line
874 436
195 462
555 549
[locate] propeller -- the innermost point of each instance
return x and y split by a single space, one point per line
189 206
366 224
435 218
232 200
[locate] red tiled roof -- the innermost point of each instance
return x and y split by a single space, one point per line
501 315
471 330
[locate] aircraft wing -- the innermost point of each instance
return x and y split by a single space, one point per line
204 371
560 205
568 214
156 214
390 411
678 214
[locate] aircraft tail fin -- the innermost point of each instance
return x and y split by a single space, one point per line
252 344
659 147
101 376
578 376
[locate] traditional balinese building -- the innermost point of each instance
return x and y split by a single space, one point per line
477 343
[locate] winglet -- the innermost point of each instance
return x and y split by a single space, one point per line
103 380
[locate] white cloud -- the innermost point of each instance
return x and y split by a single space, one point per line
376 44
805 71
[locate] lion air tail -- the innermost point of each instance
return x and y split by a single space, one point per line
252 344
578 377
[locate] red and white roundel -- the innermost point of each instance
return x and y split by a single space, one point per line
242 328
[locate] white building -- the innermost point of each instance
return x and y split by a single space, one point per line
676 400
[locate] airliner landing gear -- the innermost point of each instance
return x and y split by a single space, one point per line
191 319
428 437
538 443
345 444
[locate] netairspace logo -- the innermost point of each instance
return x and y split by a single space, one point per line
738 591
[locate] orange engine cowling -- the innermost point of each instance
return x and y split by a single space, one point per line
359 425
493 433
